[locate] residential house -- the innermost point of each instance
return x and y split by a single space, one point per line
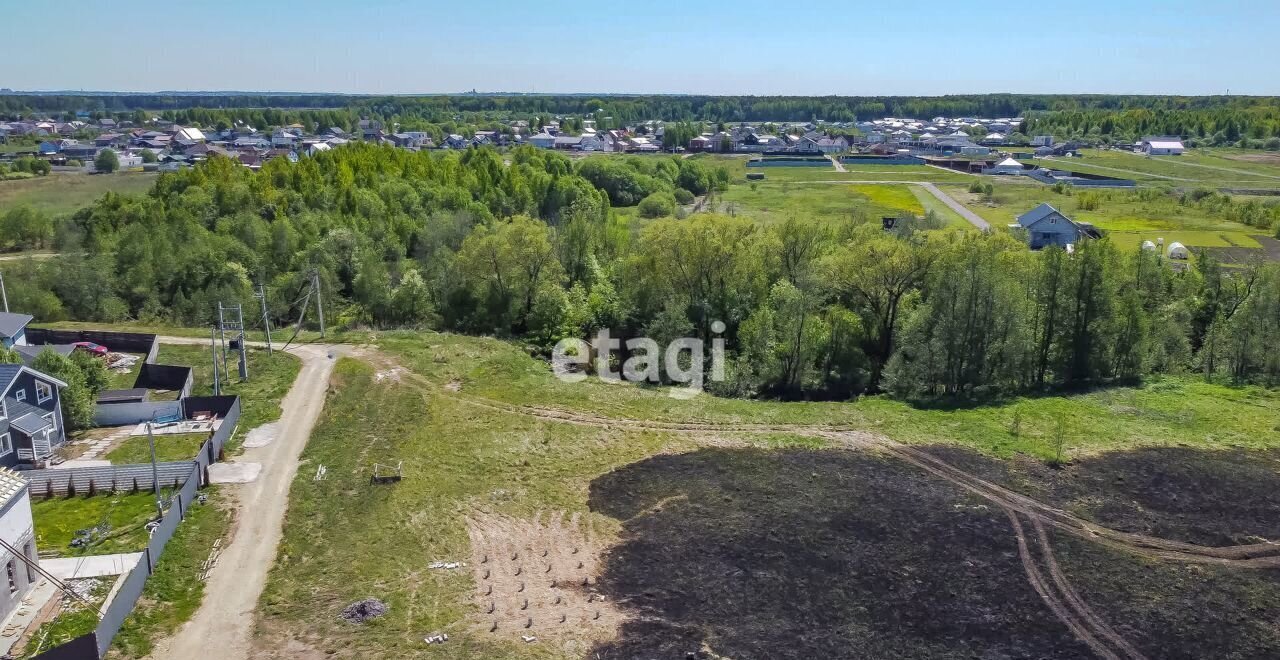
836 145
13 329
17 530
370 129
594 142
1162 146
1042 141
31 425
251 143
82 152
318 147
113 140
568 142
188 134
283 139
1046 226
455 141
543 140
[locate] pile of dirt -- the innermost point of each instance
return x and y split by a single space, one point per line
363 610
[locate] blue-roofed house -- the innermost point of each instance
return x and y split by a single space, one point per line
1046 226
31 425
13 329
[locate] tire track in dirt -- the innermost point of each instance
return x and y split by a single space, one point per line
1075 601
1051 599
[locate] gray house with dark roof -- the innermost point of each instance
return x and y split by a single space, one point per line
1046 226
13 329
31 425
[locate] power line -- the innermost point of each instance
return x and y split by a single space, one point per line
35 566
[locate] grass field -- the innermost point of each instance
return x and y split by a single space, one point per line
717 537
772 201
1195 167
59 194
174 591
1125 217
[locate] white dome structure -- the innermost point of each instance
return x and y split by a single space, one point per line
1148 245
1178 251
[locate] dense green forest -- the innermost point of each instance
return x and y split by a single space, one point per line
542 249
1215 119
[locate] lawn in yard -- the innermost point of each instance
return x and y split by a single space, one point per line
59 194
269 379
173 593
169 447
123 515
1128 217
124 378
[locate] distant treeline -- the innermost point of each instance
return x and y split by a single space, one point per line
539 250
635 108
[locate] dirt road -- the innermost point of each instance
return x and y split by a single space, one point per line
973 218
223 625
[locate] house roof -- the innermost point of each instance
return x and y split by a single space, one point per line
11 483
30 423
30 352
1037 214
1010 162
1165 144
12 324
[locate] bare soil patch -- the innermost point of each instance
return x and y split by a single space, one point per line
1209 498
838 554
539 577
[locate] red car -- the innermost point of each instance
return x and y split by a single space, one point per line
91 348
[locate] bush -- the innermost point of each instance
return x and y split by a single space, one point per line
106 161
684 196
657 205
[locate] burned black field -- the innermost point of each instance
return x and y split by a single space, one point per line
838 554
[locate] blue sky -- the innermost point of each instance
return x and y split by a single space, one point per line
721 47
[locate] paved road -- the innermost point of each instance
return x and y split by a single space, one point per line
223 625
835 160
973 218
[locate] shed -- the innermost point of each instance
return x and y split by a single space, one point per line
1178 251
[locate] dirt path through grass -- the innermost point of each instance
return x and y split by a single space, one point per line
224 622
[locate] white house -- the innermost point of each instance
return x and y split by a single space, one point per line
18 532
543 140
1162 146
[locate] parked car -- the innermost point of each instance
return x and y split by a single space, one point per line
97 350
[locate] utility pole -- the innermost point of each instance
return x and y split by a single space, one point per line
155 472
315 286
213 347
4 295
266 320
222 336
